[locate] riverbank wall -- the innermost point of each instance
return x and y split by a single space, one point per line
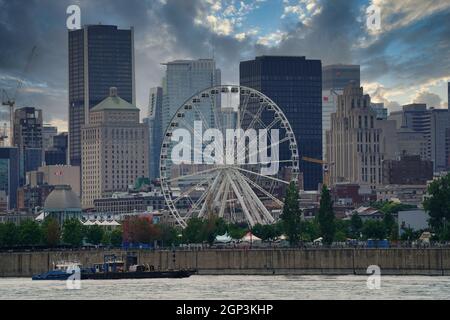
433 261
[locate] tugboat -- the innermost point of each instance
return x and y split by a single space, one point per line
112 269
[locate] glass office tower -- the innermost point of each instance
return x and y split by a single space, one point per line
295 85
100 57
9 175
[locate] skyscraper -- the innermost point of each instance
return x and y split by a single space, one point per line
295 85
433 124
183 79
48 132
334 79
100 57
154 122
115 149
338 76
9 174
28 138
357 142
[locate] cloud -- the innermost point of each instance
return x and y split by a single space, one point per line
432 100
408 56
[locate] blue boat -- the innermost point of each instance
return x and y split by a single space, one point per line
62 271
111 268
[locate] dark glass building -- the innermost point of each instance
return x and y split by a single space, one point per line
9 174
100 57
57 154
28 138
338 76
295 85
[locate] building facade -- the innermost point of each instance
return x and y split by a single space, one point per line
100 57
408 170
48 132
155 129
295 85
9 175
56 175
115 149
183 79
356 142
57 154
432 124
28 138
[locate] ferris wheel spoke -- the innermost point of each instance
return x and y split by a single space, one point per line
241 115
192 175
239 194
202 198
261 175
261 214
277 201
200 113
285 139
192 189
217 117
209 194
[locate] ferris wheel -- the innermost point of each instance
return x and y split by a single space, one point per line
228 151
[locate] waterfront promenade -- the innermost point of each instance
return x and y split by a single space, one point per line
315 261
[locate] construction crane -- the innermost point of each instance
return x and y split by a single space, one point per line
11 102
326 168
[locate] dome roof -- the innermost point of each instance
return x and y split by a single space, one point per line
62 197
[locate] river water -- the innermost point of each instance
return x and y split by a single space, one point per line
232 287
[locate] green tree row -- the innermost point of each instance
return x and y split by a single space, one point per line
49 233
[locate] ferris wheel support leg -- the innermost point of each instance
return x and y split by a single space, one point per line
263 215
211 192
224 199
249 217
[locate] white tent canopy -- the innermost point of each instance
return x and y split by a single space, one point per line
249 237
223 239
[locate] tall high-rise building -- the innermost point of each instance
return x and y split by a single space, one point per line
338 76
154 122
100 57
433 124
382 112
57 154
357 142
28 138
183 79
9 175
115 149
48 132
295 85
334 79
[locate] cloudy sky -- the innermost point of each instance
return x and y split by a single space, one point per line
407 60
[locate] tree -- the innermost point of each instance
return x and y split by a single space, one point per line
30 233
94 234
9 235
73 232
356 225
266 232
390 226
116 237
51 232
326 217
237 231
310 230
106 238
291 215
169 235
374 230
194 231
437 205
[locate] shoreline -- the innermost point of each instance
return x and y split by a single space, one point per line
349 261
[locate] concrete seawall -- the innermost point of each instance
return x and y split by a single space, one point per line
255 262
